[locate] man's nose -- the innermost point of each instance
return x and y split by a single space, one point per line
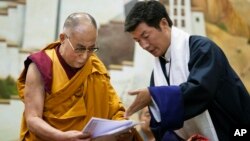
84 54
144 44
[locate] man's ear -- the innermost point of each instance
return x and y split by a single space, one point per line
62 37
164 23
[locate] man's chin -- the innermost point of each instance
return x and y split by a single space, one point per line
79 65
155 55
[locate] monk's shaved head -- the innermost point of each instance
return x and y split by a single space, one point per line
78 19
79 33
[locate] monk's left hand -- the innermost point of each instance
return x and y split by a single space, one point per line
143 98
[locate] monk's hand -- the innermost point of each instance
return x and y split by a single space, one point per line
143 98
75 136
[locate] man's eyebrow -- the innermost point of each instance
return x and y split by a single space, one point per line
83 46
135 39
143 33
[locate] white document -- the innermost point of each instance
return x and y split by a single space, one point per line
100 127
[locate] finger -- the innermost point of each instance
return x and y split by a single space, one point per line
126 115
131 110
85 135
133 92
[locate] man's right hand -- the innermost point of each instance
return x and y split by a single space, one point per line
143 99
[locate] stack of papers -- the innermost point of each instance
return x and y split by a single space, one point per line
100 127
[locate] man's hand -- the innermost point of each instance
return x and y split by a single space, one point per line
143 98
127 135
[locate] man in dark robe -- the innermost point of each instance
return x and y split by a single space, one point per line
193 87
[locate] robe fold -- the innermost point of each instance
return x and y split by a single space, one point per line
70 103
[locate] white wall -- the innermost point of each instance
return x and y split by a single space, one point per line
143 62
40 23
12 61
10 120
133 77
198 23
41 16
142 68
3 58
15 24
179 17
101 10
4 26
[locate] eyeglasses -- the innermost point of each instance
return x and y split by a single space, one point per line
82 49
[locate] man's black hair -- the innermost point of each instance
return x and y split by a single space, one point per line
150 12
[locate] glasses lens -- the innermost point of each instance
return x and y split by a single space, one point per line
83 50
95 49
80 50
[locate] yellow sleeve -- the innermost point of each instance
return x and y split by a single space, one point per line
117 109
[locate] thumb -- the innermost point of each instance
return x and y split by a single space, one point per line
85 135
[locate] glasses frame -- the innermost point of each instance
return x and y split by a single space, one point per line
83 50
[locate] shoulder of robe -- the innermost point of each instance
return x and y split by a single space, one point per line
98 66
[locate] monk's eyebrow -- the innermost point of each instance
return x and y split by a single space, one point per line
80 46
83 46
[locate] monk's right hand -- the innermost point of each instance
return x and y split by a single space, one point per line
75 136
